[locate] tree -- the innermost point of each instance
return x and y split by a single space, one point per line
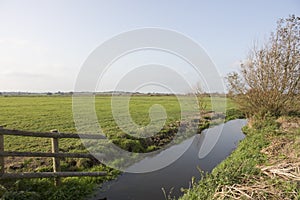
269 79
199 91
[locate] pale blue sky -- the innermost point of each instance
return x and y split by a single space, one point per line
44 43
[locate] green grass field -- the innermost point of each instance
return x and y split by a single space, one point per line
44 113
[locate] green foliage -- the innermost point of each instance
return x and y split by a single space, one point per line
130 145
267 122
20 195
203 126
70 189
234 114
151 148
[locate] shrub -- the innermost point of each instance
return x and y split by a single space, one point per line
269 81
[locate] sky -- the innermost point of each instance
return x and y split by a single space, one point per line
43 44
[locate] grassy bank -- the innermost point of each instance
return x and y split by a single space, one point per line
264 166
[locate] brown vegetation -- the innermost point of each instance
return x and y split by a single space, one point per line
269 80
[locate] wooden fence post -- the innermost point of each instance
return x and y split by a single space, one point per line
56 161
1 150
55 155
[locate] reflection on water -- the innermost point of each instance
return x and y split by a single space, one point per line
201 153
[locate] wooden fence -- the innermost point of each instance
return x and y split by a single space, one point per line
54 135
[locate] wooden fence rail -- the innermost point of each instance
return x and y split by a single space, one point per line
55 154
